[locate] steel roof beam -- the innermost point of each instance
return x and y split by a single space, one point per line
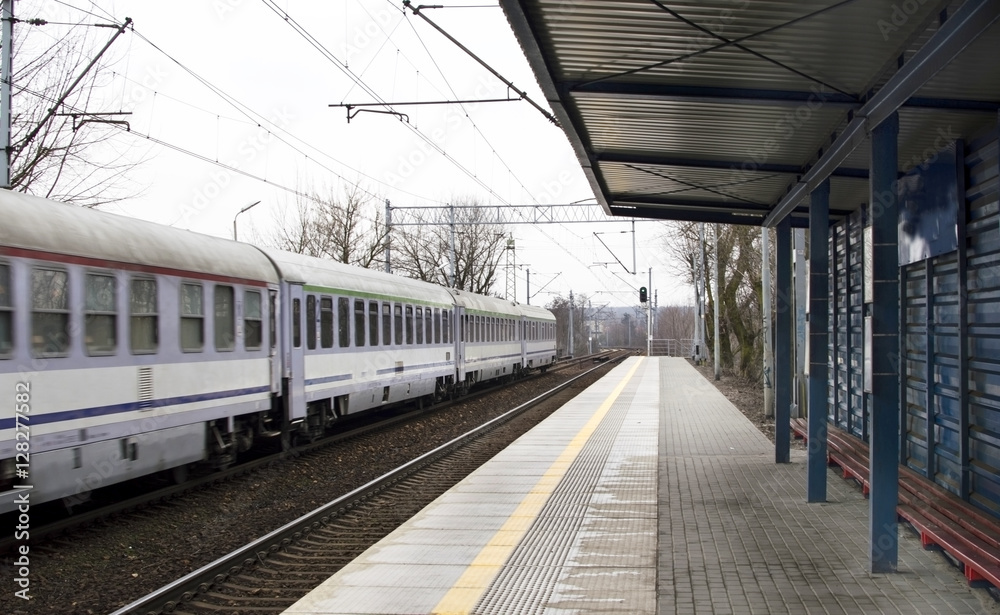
749 96
720 212
965 26
676 161
741 96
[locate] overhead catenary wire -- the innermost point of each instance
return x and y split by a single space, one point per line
258 119
291 140
417 11
326 53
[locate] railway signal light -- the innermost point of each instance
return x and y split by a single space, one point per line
642 294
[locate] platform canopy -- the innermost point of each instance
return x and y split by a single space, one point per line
734 111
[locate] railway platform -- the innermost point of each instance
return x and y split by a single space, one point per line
647 493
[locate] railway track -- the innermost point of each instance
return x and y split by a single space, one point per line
365 426
271 573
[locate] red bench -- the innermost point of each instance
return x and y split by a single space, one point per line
942 519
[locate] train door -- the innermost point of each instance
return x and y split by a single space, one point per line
272 328
522 334
459 339
294 353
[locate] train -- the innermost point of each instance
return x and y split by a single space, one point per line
129 348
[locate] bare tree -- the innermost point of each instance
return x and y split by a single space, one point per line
425 252
675 322
296 230
74 156
740 316
560 307
349 229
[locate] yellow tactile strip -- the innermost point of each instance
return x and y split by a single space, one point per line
470 587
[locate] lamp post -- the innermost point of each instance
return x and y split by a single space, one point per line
250 206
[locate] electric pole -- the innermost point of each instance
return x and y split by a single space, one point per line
6 40
715 261
388 235
765 276
571 323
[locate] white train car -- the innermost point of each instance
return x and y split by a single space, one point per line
488 346
500 338
539 337
357 339
128 347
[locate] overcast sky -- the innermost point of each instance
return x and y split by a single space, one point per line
498 153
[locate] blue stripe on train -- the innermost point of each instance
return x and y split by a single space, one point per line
82 413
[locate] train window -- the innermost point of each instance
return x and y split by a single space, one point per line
437 326
326 322
408 324
253 335
50 312
445 324
343 322
311 322
100 314
272 317
225 319
192 318
420 325
386 324
397 319
373 323
297 323
359 323
6 313
144 321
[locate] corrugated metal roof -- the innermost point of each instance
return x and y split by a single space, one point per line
666 103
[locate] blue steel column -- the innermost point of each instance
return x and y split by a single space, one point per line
783 343
819 300
884 437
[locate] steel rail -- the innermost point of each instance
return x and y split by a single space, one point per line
184 589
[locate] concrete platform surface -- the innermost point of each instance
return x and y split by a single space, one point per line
649 493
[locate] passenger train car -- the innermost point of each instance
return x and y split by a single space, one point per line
128 348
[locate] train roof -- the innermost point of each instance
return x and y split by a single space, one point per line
503 307
534 311
339 278
34 223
